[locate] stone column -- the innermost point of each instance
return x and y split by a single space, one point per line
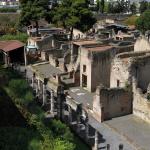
63 111
96 141
121 147
44 94
60 101
6 59
108 146
33 80
78 122
38 84
52 102
38 87
70 114
25 56
87 130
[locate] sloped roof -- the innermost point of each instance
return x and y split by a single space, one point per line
10 45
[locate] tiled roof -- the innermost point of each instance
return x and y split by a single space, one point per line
10 45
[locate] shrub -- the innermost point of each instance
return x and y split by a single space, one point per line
19 36
6 10
19 89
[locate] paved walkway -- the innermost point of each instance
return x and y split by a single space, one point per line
134 129
110 136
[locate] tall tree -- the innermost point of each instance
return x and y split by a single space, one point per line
120 6
100 5
143 6
133 8
33 11
143 22
74 14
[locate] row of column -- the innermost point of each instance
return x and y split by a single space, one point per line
41 86
40 89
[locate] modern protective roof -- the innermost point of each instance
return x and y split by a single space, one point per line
10 45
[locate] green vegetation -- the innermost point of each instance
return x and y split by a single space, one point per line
120 6
8 23
131 20
19 36
73 14
144 5
100 5
28 129
9 28
133 8
143 22
33 11
6 10
128 86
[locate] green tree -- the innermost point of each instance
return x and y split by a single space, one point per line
119 6
133 8
144 5
143 22
73 14
110 7
33 11
100 5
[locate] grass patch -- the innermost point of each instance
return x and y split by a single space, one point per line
19 36
131 20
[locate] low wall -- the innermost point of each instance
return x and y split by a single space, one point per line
110 103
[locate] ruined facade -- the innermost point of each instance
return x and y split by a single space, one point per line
111 102
131 71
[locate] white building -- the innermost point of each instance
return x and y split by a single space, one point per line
9 2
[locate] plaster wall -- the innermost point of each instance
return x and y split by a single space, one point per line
120 72
84 60
142 44
100 69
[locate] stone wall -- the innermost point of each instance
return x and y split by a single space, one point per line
141 105
142 44
45 43
142 70
120 72
87 62
110 103
42 43
98 65
125 65
100 69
